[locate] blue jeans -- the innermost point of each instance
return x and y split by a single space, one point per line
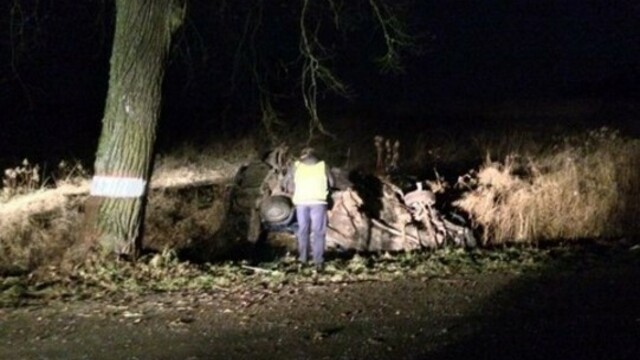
312 221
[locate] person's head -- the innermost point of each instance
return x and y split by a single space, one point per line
307 152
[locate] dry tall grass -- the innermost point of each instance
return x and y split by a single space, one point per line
38 228
40 221
39 216
586 187
190 164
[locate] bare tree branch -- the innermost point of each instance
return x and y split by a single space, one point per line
336 9
313 73
395 37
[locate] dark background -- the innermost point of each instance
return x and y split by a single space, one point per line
54 65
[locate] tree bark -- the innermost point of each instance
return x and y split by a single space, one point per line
115 209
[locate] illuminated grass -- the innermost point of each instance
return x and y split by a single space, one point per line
585 187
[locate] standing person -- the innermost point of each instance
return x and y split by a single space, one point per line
309 179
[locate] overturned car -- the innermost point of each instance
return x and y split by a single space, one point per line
367 211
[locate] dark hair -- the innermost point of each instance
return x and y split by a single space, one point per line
307 151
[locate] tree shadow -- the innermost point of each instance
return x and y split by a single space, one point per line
582 305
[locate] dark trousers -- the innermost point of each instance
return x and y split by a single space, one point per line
312 222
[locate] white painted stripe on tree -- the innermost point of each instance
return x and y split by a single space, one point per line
117 187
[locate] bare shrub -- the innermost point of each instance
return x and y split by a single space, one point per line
435 147
586 187
22 179
505 142
70 173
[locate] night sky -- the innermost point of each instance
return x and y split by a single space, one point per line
54 64
533 48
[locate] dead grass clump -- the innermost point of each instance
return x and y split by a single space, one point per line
38 239
586 187
38 215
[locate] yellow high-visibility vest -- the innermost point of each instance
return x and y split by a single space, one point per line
310 183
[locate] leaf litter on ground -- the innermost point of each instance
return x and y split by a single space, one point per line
165 273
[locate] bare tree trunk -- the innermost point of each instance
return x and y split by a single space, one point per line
115 209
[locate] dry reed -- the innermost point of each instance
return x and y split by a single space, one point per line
586 187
